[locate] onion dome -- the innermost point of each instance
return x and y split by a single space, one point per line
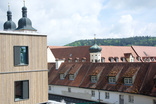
95 48
25 23
9 24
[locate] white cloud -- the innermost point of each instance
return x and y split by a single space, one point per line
65 21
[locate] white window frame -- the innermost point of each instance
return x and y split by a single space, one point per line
106 95
131 99
93 93
93 79
62 76
112 79
49 87
71 77
69 89
128 80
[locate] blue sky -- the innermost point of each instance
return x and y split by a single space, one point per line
65 21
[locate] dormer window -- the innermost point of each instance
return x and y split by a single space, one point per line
83 59
123 59
69 59
62 76
93 79
153 59
139 59
112 80
145 59
116 59
111 59
71 77
102 59
76 59
127 80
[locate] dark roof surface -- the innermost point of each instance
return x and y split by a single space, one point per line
143 82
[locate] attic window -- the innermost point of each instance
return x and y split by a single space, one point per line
83 59
111 80
93 79
103 60
153 59
139 59
145 59
127 80
111 59
123 59
71 77
61 76
116 59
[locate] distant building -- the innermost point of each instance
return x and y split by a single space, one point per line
111 83
103 54
23 65
105 74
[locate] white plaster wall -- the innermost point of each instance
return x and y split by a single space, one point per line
95 56
75 92
83 93
50 56
58 63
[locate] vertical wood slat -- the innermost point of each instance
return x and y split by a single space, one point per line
38 81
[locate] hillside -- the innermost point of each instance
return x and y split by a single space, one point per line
139 41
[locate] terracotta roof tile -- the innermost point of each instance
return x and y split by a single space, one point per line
115 70
65 68
143 83
97 70
75 68
131 71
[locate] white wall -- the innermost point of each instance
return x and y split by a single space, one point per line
95 56
50 56
83 93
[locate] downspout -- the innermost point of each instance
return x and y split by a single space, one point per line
99 96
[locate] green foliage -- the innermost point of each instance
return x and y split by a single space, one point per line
139 41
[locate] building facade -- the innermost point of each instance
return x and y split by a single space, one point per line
23 63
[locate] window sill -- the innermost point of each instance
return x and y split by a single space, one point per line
22 65
18 99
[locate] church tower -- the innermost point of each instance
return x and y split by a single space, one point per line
9 25
25 24
95 53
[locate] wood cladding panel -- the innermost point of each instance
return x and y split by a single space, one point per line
38 87
37 52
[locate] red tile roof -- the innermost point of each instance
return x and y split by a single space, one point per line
83 51
75 68
143 83
131 71
144 51
72 52
115 70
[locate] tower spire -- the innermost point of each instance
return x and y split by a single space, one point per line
8 7
24 10
24 3
94 38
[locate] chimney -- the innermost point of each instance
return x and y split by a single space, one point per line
58 63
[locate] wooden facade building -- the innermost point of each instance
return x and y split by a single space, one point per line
23 68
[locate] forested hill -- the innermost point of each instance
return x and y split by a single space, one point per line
139 41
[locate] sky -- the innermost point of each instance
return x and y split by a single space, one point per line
65 21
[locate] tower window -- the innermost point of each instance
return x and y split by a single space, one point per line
20 55
21 90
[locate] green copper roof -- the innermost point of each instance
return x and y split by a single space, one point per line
95 48
9 24
25 23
